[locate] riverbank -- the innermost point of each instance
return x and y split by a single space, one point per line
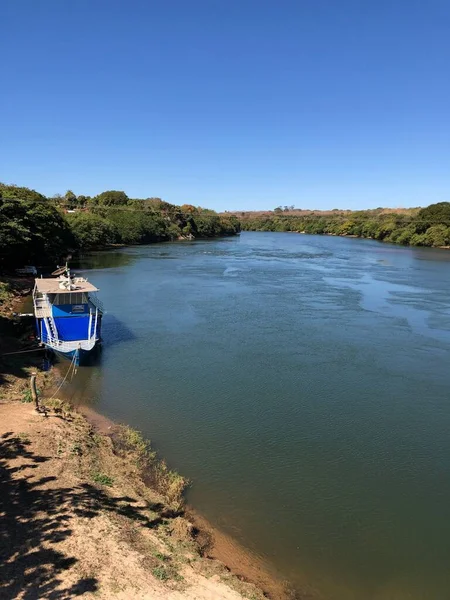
361 237
79 522
428 226
354 236
214 544
78 486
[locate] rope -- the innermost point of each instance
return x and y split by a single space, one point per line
72 364
22 351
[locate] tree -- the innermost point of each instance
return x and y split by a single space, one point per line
188 208
83 201
21 193
92 231
435 214
32 232
70 199
438 235
112 198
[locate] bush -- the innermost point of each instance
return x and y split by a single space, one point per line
102 479
5 292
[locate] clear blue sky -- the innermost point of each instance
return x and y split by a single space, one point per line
230 104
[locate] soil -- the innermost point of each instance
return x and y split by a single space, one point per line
220 546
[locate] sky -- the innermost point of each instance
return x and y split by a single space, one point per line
230 104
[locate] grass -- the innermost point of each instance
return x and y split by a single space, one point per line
102 479
97 439
76 449
5 292
170 484
27 396
167 570
160 573
140 447
161 556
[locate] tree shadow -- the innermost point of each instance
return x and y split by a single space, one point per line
15 336
34 519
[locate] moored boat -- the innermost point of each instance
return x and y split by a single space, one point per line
68 313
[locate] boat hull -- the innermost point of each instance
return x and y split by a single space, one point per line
82 357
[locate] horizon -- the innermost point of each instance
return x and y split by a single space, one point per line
236 108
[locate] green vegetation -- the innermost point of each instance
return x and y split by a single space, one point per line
160 573
5 292
28 396
102 479
30 227
39 230
43 231
415 227
155 472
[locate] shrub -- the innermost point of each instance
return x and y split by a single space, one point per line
102 479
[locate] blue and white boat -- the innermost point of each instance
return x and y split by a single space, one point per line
68 313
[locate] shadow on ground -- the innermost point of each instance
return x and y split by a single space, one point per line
17 336
35 518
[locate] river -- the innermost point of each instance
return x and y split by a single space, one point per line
303 384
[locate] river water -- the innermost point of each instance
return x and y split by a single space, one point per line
303 384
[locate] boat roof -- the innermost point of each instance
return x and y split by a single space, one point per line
51 286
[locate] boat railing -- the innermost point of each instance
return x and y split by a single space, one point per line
92 332
96 302
42 307
61 346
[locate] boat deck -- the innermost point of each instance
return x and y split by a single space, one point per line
52 286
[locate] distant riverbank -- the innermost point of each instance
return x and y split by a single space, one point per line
350 235
428 226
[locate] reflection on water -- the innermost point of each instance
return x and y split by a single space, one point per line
102 259
115 330
302 383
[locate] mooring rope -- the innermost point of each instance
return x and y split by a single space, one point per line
23 351
72 364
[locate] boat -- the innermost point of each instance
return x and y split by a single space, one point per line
27 270
68 314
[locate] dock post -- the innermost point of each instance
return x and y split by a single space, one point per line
34 393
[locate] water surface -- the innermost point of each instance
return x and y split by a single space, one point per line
303 384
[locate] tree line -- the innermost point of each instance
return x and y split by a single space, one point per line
35 229
428 226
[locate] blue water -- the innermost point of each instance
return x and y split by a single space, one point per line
303 384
